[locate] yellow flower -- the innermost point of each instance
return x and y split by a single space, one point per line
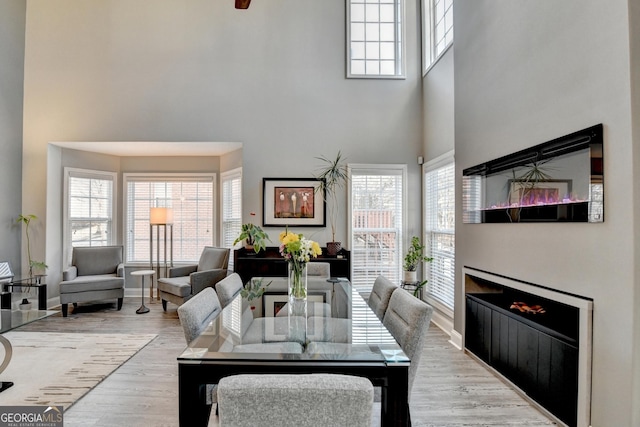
289 238
315 247
281 237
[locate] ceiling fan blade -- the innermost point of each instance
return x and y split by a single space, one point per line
242 4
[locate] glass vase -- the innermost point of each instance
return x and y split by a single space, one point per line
297 289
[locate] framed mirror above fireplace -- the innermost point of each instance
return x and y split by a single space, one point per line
561 180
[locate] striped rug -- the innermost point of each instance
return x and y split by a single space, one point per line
50 368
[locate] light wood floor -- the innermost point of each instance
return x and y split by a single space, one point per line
450 389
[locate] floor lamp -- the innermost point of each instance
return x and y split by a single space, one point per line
160 218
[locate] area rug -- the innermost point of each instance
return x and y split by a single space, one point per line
49 368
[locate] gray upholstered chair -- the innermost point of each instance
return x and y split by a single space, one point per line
319 269
186 281
408 318
96 273
295 400
195 315
198 312
228 288
380 295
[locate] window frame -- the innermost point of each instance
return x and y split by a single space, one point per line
70 172
226 176
163 177
444 160
399 45
429 56
402 171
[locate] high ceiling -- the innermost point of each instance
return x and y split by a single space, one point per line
154 148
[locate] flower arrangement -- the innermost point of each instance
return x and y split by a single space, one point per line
298 251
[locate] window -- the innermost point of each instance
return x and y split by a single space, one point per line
377 203
439 195
89 209
231 208
375 38
437 29
192 198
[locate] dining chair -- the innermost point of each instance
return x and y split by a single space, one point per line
380 295
295 400
407 318
195 315
228 288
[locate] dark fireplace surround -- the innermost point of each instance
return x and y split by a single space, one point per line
545 355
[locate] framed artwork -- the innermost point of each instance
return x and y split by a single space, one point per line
547 192
272 303
292 202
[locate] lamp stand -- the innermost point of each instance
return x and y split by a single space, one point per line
167 230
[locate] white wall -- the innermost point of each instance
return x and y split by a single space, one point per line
12 23
271 77
438 105
527 72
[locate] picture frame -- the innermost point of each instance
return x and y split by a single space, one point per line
544 192
293 202
272 303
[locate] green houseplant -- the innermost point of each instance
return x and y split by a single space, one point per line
333 176
255 238
33 264
413 257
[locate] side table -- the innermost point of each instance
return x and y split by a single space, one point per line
413 287
150 273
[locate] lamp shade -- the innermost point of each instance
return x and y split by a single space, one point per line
159 216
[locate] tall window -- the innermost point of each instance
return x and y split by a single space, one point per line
231 208
439 195
377 206
89 209
191 196
437 29
375 38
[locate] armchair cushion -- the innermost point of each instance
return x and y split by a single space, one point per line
92 261
179 286
213 258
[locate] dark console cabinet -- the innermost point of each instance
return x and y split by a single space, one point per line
538 353
269 263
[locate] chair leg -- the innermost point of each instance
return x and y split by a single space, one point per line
164 304
120 303
65 310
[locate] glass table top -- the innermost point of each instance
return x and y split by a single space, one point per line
11 319
342 329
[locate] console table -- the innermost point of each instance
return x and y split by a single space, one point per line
269 263
34 282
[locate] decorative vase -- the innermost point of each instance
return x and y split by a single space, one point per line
333 248
410 276
297 289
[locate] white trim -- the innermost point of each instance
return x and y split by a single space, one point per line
456 340
441 160
88 174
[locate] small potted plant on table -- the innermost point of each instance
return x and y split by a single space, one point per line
413 257
255 238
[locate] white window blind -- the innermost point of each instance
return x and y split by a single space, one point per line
191 196
437 22
439 188
375 38
231 208
377 211
89 208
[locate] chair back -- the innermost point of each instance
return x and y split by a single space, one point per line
197 312
96 260
295 400
380 295
228 288
213 258
408 318
319 269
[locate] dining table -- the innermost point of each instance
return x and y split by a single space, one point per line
339 335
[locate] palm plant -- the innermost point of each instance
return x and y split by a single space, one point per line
33 265
333 175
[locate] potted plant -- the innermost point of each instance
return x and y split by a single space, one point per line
413 257
255 238
33 265
254 289
333 175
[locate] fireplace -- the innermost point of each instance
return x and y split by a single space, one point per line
536 338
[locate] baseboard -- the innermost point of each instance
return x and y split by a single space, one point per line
456 339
